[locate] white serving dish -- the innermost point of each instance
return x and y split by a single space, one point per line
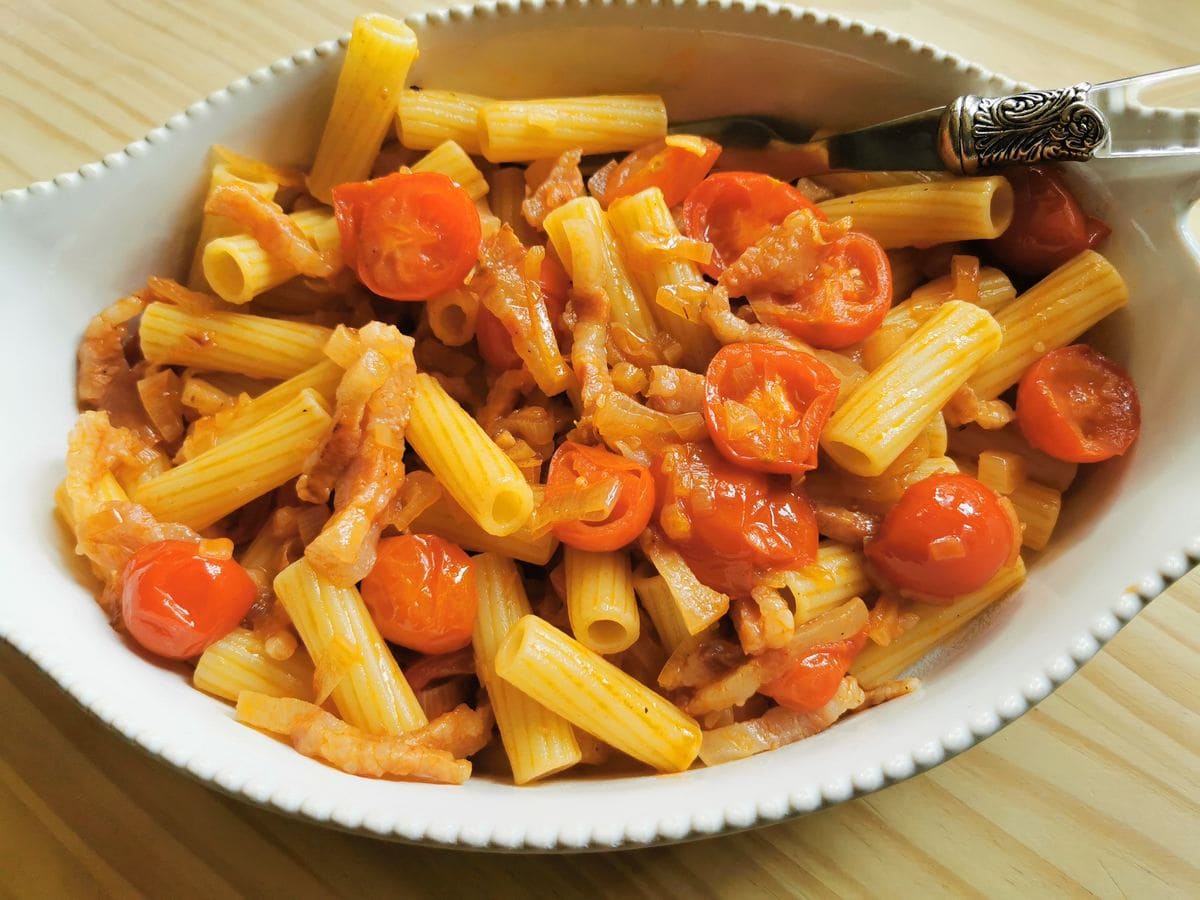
70 246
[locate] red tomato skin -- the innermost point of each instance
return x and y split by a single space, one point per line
496 344
742 523
673 170
943 507
175 602
732 210
816 677
781 447
1077 405
634 506
378 219
1048 226
421 593
846 299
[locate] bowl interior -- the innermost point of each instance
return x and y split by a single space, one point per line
70 249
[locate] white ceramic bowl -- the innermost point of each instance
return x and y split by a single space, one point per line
70 246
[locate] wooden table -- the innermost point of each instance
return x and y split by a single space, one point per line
1097 790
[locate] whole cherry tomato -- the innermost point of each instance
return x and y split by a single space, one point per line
575 466
945 537
731 524
421 593
409 236
816 677
765 406
175 601
732 210
1078 405
675 170
495 342
1048 226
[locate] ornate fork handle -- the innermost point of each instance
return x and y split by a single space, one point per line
982 132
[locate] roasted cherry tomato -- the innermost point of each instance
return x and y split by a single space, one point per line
946 536
675 170
421 593
816 677
495 343
732 210
1078 405
409 236
175 601
576 466
1048 227
846 298
765 406
730 523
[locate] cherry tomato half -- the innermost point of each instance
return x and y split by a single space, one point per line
409 236
1048 227
674 170
495 342
732 210
575 466
816 677
765 406
176 601
1078 405
421 593
946 536
730 523
846 298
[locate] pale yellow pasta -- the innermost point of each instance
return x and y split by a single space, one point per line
1000 471
369 690
537 741
107 489
425 119
239 662
601 604
522 130
213 227
921 215
378 58
594 695
877 664
257 346
887 410
474 471
238 269
1037 506
451 160
838 574
248 465
452 316
995 291
628 307
322 378
1051 314
972 440
637 222
856 182
656 599
698 605
447 519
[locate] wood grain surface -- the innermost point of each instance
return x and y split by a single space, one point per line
1096 791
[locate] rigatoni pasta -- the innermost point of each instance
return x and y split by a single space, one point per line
485 406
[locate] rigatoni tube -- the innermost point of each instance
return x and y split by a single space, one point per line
1051 314
256 346
888 409
522 130
451 160
369 691
425 119
837 575
474 471
248 465
601 604
537 741
213 227
447 519
656 599
921 215
594 695
378 58
239 662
